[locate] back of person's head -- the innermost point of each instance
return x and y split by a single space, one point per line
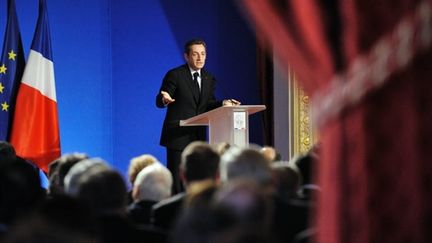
153 183
20 189
138 163
246 163
304 163
270 153
73 175
102 189
58 170
7 152
287 180
199 161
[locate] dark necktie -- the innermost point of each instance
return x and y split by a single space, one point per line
195 78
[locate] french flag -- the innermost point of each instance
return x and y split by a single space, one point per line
35 130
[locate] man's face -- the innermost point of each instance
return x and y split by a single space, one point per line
196 56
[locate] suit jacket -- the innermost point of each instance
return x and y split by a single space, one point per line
165 212
140 212
179 83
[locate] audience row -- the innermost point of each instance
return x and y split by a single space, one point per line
231 194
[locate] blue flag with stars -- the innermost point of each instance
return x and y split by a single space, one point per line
12 64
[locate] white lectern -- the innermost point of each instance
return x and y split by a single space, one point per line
226 124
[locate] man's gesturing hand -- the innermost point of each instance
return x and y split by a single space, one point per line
166 98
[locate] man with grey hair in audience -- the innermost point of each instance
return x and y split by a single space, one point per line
152 184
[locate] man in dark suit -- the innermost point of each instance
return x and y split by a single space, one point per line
199 164
186 91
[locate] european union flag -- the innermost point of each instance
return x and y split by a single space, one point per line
12 64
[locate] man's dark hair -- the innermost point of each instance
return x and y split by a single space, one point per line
59 168
193 42
199 161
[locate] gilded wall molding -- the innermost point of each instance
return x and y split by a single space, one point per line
302 135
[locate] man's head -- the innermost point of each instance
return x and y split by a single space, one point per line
195 53
270 153
7 152
199 162
59 168
94 183
246 163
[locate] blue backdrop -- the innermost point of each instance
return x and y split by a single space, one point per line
110 58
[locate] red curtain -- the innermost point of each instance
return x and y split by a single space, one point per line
368 65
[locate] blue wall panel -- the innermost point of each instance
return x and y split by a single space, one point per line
110 58
143 49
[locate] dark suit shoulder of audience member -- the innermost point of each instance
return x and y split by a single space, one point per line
58 219
166 211
140 212
290 217
37 230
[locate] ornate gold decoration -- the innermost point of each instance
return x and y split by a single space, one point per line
302 136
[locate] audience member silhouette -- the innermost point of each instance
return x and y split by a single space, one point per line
152 184
257 202
20 191
59 219
246 163
306 164
58 170
103 190
270 153
286 179
238 210
289 217
199 161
